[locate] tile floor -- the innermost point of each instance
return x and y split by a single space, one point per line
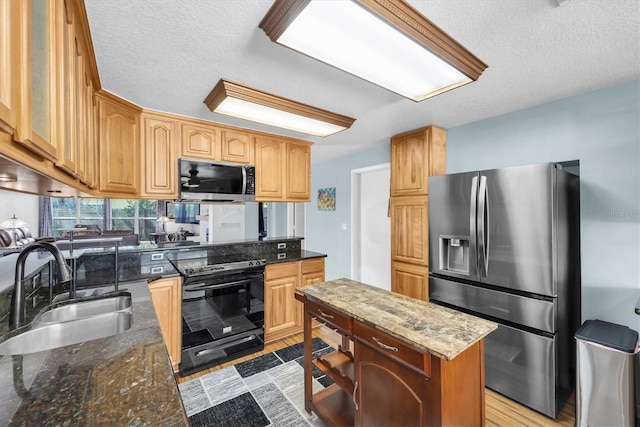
265 391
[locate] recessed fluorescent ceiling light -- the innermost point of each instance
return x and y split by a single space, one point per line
233 99
385 42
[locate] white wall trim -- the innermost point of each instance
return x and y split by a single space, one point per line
356 176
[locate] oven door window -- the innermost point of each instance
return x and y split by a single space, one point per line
223 308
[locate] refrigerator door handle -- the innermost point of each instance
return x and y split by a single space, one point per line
483 234
472 215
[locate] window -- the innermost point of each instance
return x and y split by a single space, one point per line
183 213
69 212
137 215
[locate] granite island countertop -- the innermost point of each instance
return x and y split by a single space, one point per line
124 379
431 328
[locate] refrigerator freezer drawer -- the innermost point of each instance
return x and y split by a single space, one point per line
522 366
531 312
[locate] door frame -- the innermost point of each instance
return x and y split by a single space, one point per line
356 238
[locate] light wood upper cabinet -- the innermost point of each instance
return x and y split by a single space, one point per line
298 179
200 142
81 116
270 175
282 170
35 61
9 78
67 135
415 156
118 145
166 295
159 157
91 139
237 147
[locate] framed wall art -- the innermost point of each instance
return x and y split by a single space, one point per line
327 199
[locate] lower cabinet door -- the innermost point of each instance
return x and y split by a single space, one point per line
388 394
166 295
281 282
410 280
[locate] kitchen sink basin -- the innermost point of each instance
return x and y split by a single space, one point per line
72 324
82 309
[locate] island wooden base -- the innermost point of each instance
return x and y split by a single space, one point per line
387 381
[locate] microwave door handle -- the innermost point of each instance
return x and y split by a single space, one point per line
244 181
483 236
472 215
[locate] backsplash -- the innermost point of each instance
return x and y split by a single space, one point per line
96 269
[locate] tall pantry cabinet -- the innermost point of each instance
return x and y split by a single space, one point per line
415 156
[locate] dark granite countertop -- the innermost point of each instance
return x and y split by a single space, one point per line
438 330
125 379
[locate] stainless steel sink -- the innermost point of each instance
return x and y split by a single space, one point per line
79 310
72 324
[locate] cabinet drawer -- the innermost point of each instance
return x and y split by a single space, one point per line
276 271
327 315
393 347
312 266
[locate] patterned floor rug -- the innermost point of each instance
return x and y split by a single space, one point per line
265 391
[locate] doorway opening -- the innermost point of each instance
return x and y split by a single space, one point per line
371 226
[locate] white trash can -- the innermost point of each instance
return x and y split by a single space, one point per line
605 374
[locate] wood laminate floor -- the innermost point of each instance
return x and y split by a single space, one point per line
501 411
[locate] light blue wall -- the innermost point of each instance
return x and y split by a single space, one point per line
602 130
324 228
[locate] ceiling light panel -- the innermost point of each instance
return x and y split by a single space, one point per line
233 99
385 42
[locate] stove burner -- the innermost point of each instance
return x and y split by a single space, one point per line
204 269
200 270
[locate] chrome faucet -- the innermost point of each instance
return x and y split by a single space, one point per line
18 314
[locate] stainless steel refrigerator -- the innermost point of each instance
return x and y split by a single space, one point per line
504 245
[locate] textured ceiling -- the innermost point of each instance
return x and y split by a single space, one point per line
167 55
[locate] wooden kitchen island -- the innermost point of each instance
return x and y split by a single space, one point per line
402 361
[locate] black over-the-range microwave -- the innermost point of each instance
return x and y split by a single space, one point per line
202 181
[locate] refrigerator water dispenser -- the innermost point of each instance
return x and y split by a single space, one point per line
454 254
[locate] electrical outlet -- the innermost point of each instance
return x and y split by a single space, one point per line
344 226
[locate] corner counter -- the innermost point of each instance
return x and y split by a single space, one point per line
124 379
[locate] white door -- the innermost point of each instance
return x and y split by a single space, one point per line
371 227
